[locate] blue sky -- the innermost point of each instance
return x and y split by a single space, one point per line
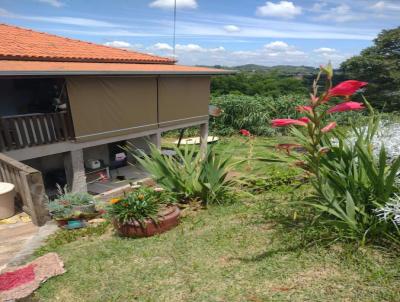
296 32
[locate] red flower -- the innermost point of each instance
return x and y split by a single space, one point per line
245 132
288 121
304 119
346 88
346 106
304 108
329 127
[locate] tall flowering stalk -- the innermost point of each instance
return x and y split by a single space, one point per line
250 138
318 112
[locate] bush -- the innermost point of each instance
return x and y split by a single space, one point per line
258 83
350 182
253 113
189 174
353 183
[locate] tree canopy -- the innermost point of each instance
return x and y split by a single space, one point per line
258 83
379 65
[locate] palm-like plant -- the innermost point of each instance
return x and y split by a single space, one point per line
189 174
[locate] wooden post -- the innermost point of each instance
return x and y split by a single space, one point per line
35 197
29 187
203 138
75 171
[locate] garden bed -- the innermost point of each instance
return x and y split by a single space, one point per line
263 248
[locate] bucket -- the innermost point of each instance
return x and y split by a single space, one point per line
7 195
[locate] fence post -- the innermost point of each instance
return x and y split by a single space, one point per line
203 139
35 196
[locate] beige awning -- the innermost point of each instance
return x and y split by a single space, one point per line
107 106
183 100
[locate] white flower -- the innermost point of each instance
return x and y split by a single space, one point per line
391 210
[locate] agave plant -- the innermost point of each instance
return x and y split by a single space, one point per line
189 174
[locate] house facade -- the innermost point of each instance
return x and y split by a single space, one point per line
65 102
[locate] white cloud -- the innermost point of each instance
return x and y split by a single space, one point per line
59 20
281 49
324 50
189 48
168 4
55 3
124 45
118 44
318 7
277 45
186 48
385 6
231 28
283 9
217 49
190 54
162 47
340 13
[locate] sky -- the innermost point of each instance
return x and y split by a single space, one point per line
216 32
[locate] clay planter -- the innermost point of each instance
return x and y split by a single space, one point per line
168 219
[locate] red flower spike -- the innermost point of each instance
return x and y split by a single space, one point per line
245 132
346 88
303 108
329 127
304 120
288 121
346 106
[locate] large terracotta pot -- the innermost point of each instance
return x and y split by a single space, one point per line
168 218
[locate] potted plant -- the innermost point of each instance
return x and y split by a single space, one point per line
68 206
143 212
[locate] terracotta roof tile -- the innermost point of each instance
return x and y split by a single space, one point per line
23 44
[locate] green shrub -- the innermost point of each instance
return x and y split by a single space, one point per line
258 83
253 113
189 174
353 183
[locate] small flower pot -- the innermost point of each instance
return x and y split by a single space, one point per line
168 219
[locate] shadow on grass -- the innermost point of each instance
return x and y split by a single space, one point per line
268 254
292 227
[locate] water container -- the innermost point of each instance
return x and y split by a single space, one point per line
7 195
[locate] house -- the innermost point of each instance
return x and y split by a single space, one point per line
66 104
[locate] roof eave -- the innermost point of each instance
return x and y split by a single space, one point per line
111 73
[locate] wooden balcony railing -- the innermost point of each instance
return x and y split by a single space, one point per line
29 187
27 130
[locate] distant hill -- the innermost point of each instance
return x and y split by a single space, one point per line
280 69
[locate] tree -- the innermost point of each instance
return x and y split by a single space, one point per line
380 66
258 83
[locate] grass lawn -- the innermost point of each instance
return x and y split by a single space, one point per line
261 248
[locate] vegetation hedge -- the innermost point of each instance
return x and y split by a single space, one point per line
253 113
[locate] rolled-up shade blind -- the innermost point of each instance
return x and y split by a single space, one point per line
106 107
183 100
